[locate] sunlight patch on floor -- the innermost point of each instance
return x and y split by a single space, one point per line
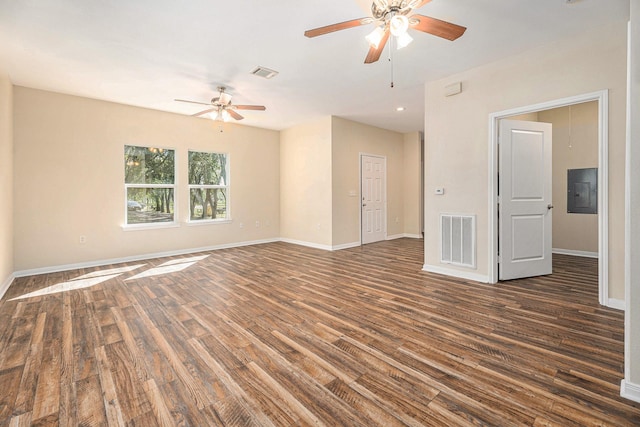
169 267
100 276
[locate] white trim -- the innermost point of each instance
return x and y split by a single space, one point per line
307 244
4 287
199 222
404 235
395 236
627 221
150 225
99 263
618 304
584 254
346 246
630 391
602 97
412 236
456 273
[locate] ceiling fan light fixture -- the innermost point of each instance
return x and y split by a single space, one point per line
375 37
213 115
403 40
398 25
225 116
225 98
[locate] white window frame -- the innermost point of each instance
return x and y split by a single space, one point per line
174 187
226 187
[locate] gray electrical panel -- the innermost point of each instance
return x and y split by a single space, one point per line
582 191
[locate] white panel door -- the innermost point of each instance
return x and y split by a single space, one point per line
373 183
525 199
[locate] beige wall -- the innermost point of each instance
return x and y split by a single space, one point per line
349 140
320 180
632 313
305 183
575 146
456 131
412 169
6 180
69 179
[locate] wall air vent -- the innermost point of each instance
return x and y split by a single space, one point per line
264 72
458 240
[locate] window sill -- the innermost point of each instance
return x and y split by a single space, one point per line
208 222
150 226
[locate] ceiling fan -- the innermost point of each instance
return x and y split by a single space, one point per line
221 108
393 17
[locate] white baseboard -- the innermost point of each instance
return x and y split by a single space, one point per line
630 391
307 244
99 263
572 252
400 236
618 304
456 273
4 286
345 246
412 236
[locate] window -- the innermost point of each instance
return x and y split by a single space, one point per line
149 176
208 186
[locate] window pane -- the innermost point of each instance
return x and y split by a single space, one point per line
149 205
143 165
208 203
207 168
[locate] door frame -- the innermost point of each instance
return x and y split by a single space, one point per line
602 97
384 189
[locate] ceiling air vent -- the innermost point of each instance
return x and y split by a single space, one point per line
264 72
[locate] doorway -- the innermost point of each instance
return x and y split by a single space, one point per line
373 191
601 98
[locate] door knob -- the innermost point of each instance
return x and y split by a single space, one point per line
549 206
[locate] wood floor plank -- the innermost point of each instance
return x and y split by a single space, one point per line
281 335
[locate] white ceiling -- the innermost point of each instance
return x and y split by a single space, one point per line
149 52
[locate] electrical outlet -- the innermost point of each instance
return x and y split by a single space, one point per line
83 239
241 225
257 224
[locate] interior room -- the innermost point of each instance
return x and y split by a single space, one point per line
312 214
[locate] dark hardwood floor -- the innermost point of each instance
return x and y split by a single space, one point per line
278 334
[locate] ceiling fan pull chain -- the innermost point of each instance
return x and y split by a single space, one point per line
391 59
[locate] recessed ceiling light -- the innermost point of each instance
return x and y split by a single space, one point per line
400 109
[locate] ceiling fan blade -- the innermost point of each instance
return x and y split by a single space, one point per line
193 102
205 111
434 26
250 107
374 53
337 27
234 114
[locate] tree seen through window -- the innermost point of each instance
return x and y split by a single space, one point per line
149 184
208 186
